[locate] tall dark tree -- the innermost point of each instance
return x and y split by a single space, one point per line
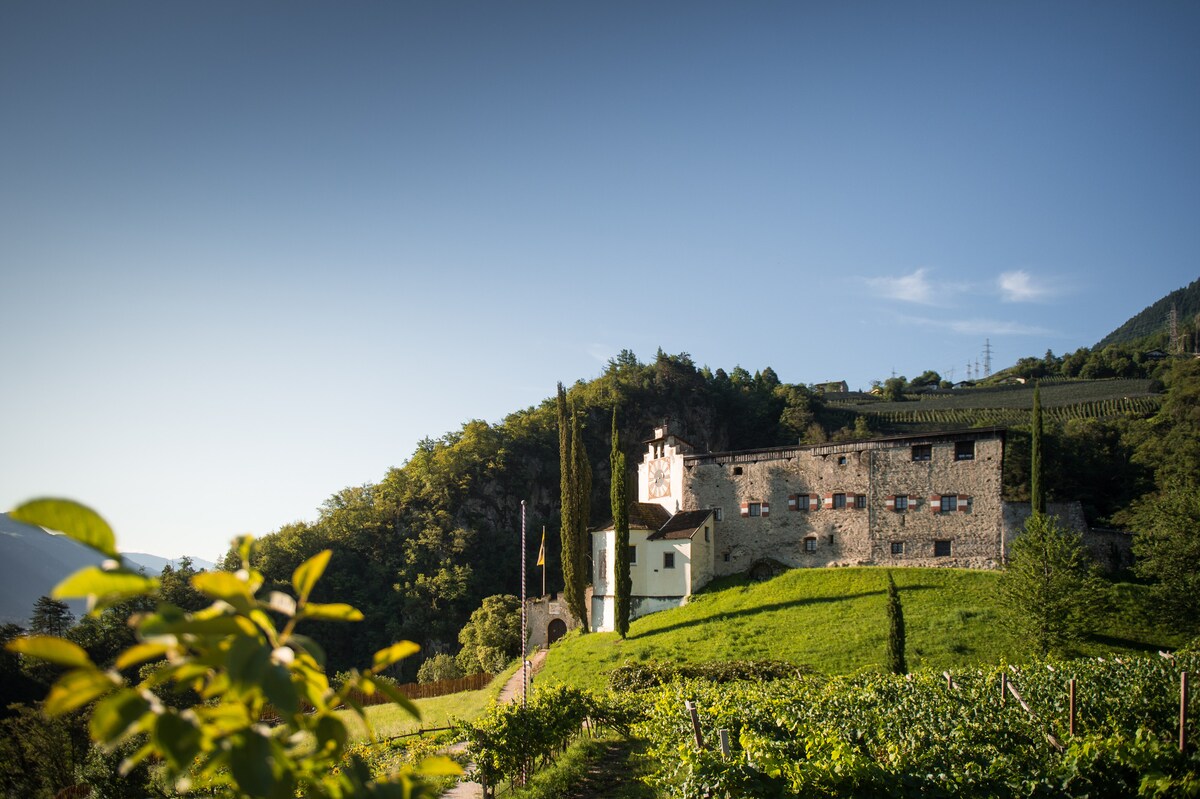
897 663
50 617
566 504
1037 492
620 513
575 488
581 494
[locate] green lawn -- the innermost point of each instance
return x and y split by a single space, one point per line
391 720
834 620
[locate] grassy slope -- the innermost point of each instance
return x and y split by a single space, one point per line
834 620
392 720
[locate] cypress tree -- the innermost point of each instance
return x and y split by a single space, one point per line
581 493
566 507
620 514
1037 495
896 662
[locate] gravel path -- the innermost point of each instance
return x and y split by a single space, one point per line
511 692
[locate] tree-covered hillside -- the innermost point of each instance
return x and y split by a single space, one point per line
1154 320
420 549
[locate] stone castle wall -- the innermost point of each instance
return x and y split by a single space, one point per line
786 504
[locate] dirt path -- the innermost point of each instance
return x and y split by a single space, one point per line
511 692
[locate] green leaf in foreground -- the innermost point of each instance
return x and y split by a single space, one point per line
55 650
307 573
393 654
334 611
71 518
103 587
75 689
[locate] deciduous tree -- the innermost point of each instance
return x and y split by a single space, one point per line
492 637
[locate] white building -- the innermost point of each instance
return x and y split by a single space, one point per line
670 556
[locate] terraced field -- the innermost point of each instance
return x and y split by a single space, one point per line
1011 405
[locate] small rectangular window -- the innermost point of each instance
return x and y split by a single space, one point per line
860 501
810 545
633 554
902 502
726 557
668 560
706 534
841 460
756 509
941 549
737 469
601 565
897 547
964 450
949 503
718 514
839 501
922 452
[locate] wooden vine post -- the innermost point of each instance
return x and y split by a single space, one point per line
1071 703
1183 708
691 708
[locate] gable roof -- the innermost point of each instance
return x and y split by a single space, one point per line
682 525
660 522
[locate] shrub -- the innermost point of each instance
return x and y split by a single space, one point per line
240 664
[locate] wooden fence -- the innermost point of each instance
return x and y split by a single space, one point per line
414 690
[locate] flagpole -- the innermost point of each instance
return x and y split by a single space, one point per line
524 636
543 558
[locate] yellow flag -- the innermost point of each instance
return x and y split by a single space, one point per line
542 551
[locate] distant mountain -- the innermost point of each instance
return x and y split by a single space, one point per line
33 561
153 564
1155 318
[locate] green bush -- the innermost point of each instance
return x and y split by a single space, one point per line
651 674
241 665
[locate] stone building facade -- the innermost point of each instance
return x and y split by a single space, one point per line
927 500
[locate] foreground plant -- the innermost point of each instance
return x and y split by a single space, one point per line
264 725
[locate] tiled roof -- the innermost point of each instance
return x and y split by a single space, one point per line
682 525
647 516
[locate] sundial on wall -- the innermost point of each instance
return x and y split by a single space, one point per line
659 478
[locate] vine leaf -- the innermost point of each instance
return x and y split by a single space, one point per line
75 520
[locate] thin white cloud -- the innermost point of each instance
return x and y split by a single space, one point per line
908 288
979 327
601 352
1020 286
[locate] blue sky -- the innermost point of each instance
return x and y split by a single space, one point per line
251 253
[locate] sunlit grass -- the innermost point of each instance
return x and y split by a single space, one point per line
389 721
834 620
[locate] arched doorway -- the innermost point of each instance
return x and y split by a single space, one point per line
556 630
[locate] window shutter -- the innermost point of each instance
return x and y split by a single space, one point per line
814 502
962 502
745 510
891 502
850 501
792 502
935 503
766 509
829 501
